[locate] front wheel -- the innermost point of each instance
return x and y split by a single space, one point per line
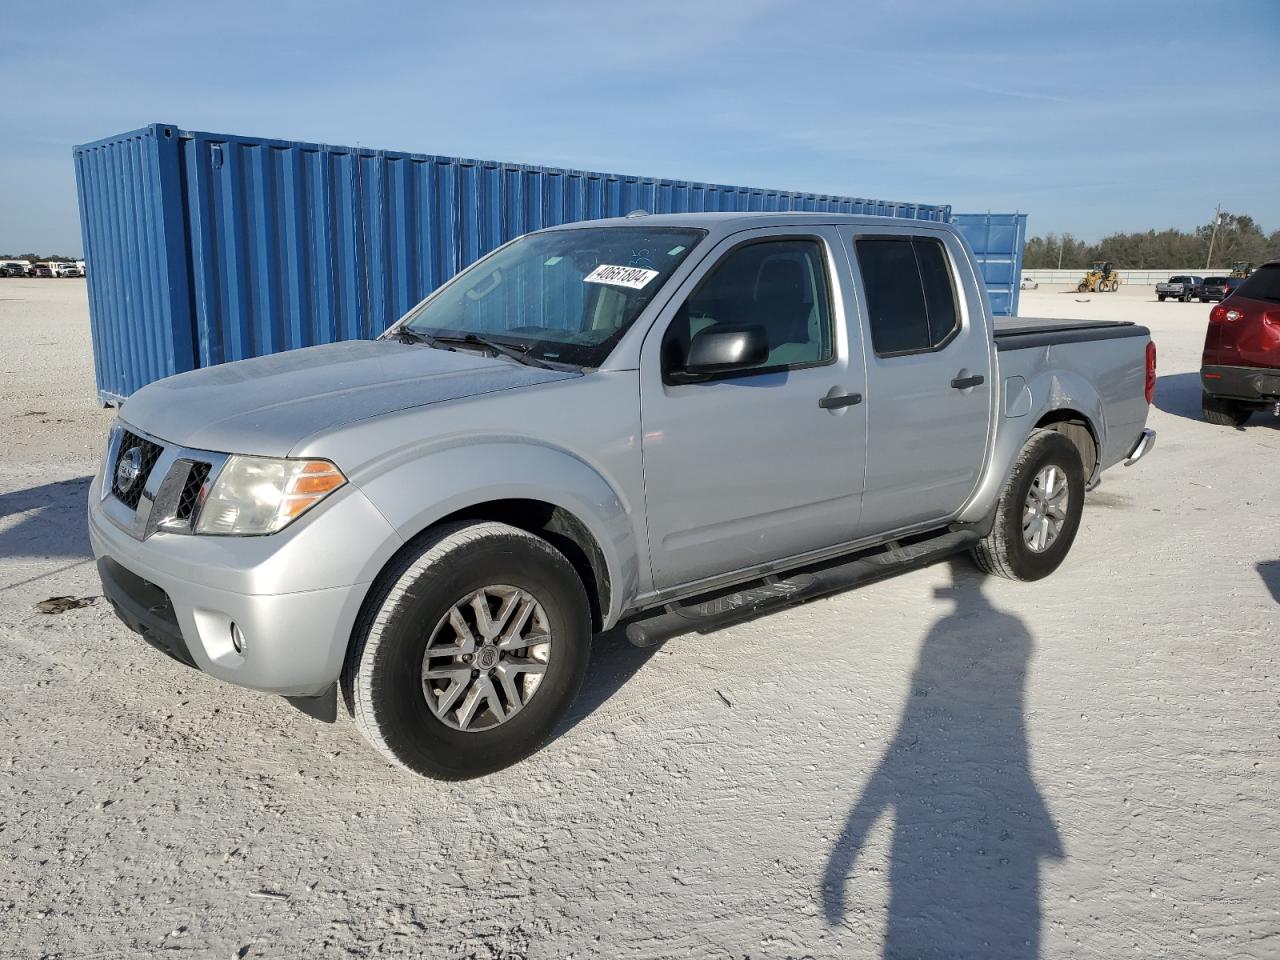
1038 513
469 652
1161 298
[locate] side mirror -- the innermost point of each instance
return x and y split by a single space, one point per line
717 350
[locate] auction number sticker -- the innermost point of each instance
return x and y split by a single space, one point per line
615 276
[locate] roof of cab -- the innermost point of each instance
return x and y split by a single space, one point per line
744 220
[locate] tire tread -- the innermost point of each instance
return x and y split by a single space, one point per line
395 582
993 554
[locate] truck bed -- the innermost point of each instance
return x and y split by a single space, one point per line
1016 333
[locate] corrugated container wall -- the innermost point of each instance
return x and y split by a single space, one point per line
204 248
997 240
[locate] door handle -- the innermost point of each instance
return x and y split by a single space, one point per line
842 400
960 383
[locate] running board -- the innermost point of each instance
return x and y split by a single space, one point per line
712 611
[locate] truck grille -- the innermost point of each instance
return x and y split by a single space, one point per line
148 454
190 498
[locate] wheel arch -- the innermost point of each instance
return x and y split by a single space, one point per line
540 489
1077 428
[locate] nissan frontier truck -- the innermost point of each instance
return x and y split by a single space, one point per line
667 422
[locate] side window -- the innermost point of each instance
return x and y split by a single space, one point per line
778 285
911 300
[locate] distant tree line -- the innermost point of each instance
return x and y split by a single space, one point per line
56 258
1239 238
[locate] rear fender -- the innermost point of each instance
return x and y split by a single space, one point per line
1050 391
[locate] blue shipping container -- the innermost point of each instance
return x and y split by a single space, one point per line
203 248
997 240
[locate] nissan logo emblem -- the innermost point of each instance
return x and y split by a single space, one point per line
129 468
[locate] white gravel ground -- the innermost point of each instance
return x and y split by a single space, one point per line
1086 767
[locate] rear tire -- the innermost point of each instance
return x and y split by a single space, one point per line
1005 551
1162 298
1223 413
520 691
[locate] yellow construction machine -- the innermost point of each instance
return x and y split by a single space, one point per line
1241 269
1101 278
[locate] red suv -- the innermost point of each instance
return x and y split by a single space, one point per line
1241 366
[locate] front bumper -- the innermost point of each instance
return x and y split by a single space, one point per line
1254 384
294 595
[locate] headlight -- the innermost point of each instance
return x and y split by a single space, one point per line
258 495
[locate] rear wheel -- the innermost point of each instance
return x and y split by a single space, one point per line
1224 413
470 652
1038 513
1162 298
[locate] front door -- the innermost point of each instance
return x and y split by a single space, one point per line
758 465
929 370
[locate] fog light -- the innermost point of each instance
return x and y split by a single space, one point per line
237 639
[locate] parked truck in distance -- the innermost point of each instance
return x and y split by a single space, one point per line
1181 287
669 422
1212 289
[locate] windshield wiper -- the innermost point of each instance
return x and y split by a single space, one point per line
519 354
405 335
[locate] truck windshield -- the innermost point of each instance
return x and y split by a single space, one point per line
565 295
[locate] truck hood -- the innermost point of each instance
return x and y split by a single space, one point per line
267 405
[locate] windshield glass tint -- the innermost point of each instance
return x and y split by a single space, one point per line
1262 284
565 295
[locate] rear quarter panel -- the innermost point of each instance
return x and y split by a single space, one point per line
1104 381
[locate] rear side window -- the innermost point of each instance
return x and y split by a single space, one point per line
1262 284
911 300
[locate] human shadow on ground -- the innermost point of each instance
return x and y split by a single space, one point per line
1179 394
1269 571
970 826
56 524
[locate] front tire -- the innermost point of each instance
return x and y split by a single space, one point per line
1038 513
1162 298
1223 413
469 651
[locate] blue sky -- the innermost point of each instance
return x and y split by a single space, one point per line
1091 117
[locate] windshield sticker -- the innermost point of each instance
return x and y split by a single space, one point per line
634 277
552 261
674 250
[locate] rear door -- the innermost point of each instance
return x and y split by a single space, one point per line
766 463
929 376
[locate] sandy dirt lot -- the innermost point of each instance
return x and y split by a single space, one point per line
1086 767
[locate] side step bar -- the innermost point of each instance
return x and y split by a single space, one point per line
715 610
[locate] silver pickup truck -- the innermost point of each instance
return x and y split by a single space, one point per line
669 422
1180 287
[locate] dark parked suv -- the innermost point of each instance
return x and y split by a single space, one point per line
1212 288
1241 366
